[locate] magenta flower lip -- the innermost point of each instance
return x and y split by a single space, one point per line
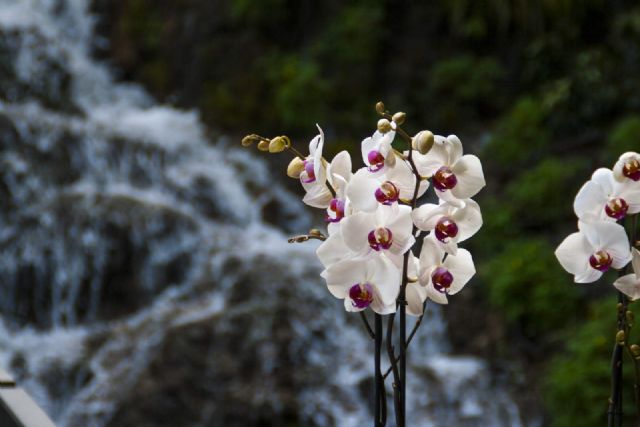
337 207
616 208
380 238
376 160
601 261
308 168
631 169
387 193
361 295
444 179
445 229
441 279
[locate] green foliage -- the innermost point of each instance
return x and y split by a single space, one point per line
528 287
520 136
578 381
534 197
261 12
298 90
624 137
463 84
351 38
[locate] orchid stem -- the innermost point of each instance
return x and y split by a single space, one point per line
411 335
367 325
394 367
378 375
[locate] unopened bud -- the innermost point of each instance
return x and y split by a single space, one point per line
384 125
399 117
263 145
630 318
380 107
423 141
635 351
620 337
278 144
250 139
295 168
315 232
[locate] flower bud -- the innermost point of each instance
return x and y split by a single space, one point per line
423 141
250 139
315 232
635 351
384 125
399 117
263 145
620 337
277 144
630 318
380 107
295 168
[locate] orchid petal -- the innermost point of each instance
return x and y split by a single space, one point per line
629 285
461 268
468 171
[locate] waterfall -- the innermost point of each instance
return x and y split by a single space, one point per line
145 277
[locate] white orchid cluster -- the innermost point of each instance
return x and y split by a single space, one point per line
374 217
602 242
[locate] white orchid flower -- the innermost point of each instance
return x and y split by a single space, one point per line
450 224
386 230
338 174
594 249
415 294
373 282
604 198
313 177
376 149
441 278
627 167
367 191
630 284
454 176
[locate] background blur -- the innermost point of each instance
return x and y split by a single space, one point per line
145 276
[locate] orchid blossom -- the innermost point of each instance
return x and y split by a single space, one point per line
627 168
313 177
604 198
454 176
387 230
373 282
443 277
450 224
594 249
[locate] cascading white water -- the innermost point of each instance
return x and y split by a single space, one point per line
145 277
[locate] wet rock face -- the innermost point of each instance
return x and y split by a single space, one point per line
214 370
